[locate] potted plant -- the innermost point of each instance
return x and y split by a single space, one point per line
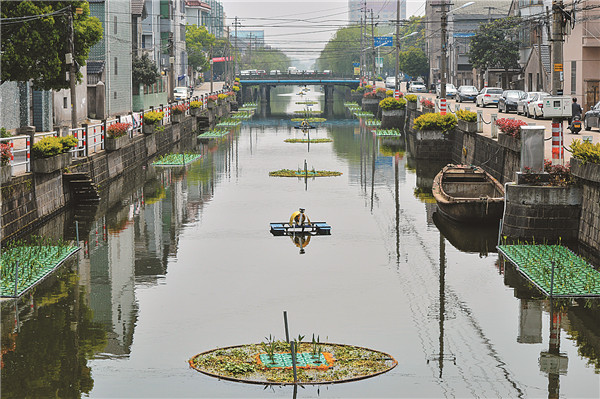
427 106
5 168
433 125
116 136
392 112
390 93
412 101
195 108
151 120
52 153
510 136
380 92
357 94
370 102
212 101
177 113
585 162
467 120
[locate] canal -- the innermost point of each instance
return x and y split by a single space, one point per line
175 262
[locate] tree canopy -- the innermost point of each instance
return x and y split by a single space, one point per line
414 62
143 70
341 51
198 42
266 59
35 38
495 45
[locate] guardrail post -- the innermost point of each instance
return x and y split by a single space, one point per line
494 126
29 146
103 136
456 107
437 105
479 121
133 127
86 141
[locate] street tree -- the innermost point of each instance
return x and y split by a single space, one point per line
198 41
414 62
143 71
496 45
35 39
266 58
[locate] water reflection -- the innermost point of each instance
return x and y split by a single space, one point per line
480 239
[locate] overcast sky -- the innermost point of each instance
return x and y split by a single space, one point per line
300 28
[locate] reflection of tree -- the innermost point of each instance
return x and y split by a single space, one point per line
52 347
583 329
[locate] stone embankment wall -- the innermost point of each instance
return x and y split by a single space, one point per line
28 200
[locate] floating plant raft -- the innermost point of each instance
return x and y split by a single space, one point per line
302 173
213 134
350 104
373 122
308 140
388 133
176 159
229 123
329 363
35 263
363 114
250 105
307 112
307 102
242 115
573 276
310 120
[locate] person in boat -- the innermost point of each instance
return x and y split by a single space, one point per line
299 219
304 124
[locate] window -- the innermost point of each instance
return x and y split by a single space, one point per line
116 66
115 95
115 25
65 102
573 77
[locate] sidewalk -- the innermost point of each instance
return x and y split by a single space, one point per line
204 88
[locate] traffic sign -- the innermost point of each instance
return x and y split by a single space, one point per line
383 41
356 64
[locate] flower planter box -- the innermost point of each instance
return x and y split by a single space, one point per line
177 118
586 171
469 127
412 106
430 135
210 105
5 174
149 128
392 118
427 110
111 144
370 105
509 142
356 97
196 111
51 164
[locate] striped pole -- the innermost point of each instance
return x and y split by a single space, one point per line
397 94
443 106
556 143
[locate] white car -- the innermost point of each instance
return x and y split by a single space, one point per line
523 103
390 82
181 93
417 87
450 90
487 96
535 109
275 72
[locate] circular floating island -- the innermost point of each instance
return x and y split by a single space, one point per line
302 173
308 141
325 363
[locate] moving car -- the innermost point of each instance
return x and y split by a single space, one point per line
508 100
466 93
450 90
390 82
592 117
181 93
535 108
417 87
523 103
487 96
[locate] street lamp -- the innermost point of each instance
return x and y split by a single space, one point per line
397 81
443 66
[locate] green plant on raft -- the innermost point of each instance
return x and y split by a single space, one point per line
269 347
390 103
467 116
435 121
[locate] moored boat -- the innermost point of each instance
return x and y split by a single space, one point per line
468 194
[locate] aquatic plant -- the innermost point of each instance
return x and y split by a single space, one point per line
302 173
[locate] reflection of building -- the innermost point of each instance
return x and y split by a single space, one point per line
530 322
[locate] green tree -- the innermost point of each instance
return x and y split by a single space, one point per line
266 59
35 39
495 45
414 62
198 42
341 51
143 70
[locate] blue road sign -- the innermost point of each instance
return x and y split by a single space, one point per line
383 41
356 64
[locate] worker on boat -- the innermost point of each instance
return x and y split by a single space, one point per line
299 219
301 241
304 124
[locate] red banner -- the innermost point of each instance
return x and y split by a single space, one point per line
221 59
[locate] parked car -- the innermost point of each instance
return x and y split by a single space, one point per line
390 82
508 100
275 72
466 93
523 103
327 72
487 96
181 93
450 90
535 108
417 87
592 117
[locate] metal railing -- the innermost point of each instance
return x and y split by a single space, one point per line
91 138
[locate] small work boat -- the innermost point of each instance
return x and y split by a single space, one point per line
300 224
468 194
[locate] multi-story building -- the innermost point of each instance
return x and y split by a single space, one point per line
247 38
197 12
216 19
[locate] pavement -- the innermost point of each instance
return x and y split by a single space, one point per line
204 88
546 123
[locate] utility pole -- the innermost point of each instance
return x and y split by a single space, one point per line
235 53
443 60
362 46
171 67
373 47
250 50
557 74
211 68
70 59
397 81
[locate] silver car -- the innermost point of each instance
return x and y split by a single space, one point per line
487 96
523 103
450 90
417 87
